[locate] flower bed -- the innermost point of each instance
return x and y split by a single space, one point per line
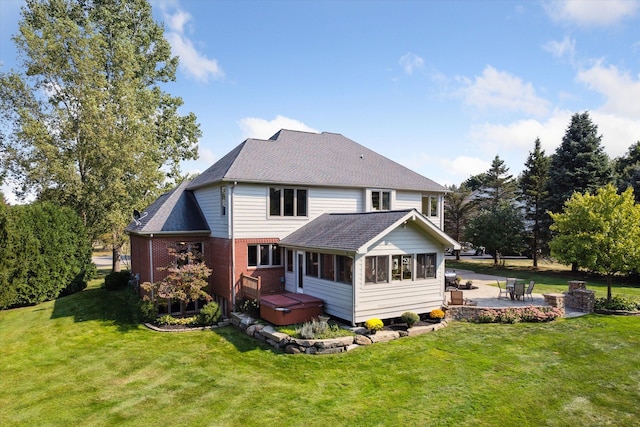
505 315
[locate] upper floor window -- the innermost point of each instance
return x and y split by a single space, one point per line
430 206
223 200
380 200
287 202
264 255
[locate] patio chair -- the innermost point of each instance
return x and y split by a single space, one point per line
505 291
530 290
518 291
457 298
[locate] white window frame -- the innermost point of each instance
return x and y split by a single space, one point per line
260 249
281 207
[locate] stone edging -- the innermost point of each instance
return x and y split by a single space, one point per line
278 340
618 312
153 327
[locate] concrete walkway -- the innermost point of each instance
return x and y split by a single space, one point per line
487 292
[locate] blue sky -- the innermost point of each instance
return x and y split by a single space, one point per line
441 87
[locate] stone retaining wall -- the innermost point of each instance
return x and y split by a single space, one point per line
278 340
471 313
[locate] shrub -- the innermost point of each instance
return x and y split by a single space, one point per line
209 314
523 314
45 251
168 319
117 280
410 318
148 311
616 303
249 306
436 314
374 324
315 329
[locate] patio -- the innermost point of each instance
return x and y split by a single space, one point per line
486 294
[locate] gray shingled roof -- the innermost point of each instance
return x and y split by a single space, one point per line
175 211
303 158
342 231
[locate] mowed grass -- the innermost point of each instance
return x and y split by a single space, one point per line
549 276
82 360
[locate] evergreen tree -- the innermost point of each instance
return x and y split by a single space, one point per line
579 164
533 191
458 210
627 170
499 228
499 184
88 124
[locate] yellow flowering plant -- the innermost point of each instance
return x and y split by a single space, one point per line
436 314
374 324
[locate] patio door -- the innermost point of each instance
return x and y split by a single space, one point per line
300 272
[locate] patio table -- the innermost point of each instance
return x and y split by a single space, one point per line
510 285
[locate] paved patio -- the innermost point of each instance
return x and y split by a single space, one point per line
486 295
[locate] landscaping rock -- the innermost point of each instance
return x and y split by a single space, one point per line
250 330
292 349
311 350
362 340
351 347
419 330
271 334
334 342
384 336
331 350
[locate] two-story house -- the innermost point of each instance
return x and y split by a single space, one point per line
308 213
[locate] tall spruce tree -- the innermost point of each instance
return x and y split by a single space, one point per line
533 191
627 171
579 164
458 210
498 184
89 125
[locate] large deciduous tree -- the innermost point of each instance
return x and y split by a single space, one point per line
533 190
89 125
579 164
600 232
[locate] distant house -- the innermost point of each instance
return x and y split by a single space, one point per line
308 213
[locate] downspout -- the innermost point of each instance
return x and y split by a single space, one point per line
233 248
151 264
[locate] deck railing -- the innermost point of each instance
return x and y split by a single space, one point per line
250 287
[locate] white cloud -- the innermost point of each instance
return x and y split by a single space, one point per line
621 90
564 49
411 62
521 135
500 90
255 127
591 13
193 62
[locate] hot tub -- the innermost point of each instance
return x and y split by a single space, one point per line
289 308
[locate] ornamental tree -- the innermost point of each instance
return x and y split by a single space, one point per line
186 279
600 232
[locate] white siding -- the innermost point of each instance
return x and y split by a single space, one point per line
388 300
251 219
337 297
408 200
209 201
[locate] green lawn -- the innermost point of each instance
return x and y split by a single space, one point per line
549 277
82 360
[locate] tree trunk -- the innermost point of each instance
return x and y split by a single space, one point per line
574 267
115 259
457 252
609 280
